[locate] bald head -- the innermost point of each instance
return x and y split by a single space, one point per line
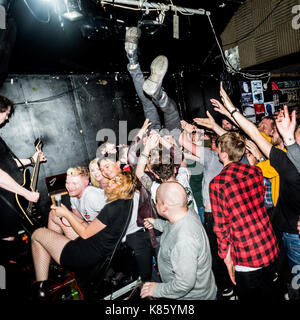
172 194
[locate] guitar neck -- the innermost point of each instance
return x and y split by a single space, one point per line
33 184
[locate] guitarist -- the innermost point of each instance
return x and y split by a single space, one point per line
10 184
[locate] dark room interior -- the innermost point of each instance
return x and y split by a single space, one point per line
68 80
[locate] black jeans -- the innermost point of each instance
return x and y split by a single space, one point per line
219 268
140 243
257 285
163 102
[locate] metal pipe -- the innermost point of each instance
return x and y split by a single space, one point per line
153 5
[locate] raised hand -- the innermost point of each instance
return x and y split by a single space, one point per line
187 126
153 140
285 124
226 100
218 106
206 122
252 147
144 128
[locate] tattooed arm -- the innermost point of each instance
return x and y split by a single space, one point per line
151 143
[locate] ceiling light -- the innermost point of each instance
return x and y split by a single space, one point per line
73 10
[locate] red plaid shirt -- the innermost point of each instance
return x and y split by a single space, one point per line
237 201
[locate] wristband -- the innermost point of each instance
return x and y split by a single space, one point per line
233 111
289 141
32 162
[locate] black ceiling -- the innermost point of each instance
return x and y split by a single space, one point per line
45 47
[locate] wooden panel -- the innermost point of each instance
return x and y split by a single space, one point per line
274 37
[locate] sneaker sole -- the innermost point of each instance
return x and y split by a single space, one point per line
159 67
230 293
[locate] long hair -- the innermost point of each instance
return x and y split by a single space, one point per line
94 182
124 189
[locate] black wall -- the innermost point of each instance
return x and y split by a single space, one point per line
76 108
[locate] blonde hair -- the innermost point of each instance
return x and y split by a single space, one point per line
79 171
233 144
94 182
125 188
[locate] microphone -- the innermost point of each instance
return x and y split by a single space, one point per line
58 200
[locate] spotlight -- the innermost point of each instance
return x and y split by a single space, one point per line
73 10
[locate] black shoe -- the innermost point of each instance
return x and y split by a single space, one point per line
159 67
131 44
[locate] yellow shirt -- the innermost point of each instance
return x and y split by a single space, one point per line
269 172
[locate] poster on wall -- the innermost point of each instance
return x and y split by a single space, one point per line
245 86
257 91
259 111
247 99
269 109
249 112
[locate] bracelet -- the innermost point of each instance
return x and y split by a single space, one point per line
233 111
32 162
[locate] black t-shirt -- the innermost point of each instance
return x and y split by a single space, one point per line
9 220
114 215
8 164
82 253
287 210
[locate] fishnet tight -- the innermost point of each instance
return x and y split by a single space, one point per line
46 243
63 226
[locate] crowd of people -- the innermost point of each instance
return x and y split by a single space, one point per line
229 243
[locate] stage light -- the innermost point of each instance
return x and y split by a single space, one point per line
73 8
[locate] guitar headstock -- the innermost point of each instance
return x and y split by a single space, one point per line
38 144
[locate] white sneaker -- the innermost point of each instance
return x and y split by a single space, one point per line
159 67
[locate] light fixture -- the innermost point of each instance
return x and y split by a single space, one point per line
73 10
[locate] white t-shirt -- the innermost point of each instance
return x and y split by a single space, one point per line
90 204
183 178
133 227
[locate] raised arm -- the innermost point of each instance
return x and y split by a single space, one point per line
32 160
135 146
286 126
221 109
210 123
189 145
247 126
151 143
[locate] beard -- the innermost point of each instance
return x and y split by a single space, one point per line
276 142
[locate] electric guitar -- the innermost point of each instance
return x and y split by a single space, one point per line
26 207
